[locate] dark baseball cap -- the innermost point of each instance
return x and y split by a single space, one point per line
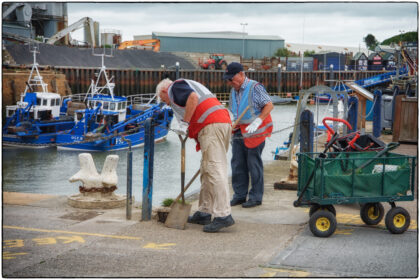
232 69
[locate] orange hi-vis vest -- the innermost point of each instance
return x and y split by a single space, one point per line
208 111
251 140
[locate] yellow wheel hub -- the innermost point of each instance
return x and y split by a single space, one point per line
323 224
399 220
371 213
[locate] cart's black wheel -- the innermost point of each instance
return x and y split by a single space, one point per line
372 213
397 220
316 207
322 223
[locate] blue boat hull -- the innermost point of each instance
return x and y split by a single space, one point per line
112 144
41 141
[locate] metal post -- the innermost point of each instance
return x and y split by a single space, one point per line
149 145
306 132
177 70
279 78
346 102
377 118
396 92
243 38
331 75
353 111
129 201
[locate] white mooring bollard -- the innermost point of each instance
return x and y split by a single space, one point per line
97 190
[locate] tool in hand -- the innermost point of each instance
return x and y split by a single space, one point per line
240 117
178 216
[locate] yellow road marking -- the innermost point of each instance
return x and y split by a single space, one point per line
70 239
13 243
158 246
355 219
346 231
268 274
10 256
73 232
291 273
45 241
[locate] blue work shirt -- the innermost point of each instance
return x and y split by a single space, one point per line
260 96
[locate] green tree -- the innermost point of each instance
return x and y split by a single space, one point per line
370 42
282 53
405 37
308 53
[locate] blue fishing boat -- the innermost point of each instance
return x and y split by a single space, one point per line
35 120
105 122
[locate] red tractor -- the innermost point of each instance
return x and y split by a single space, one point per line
216 61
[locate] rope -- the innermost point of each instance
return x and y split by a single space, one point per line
254 136
370 112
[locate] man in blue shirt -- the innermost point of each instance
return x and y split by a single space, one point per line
250 98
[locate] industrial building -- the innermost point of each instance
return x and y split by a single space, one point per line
229 42
33 19
299 48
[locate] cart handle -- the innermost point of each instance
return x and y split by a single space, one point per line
330 130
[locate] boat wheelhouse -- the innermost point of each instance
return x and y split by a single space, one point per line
35 120
104 122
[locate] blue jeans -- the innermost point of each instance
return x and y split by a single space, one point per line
247 162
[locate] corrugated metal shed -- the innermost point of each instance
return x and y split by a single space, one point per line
256 46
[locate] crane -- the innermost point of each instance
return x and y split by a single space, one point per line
152 43
78 24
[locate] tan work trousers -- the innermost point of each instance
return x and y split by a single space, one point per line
214 194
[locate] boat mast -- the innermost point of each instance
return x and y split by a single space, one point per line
37 79
96 89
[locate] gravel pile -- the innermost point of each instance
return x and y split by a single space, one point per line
50 55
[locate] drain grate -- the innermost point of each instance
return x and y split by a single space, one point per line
81 216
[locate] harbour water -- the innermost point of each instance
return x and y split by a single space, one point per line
47 171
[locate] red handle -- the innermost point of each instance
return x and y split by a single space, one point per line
336 120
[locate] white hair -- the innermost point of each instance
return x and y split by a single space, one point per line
165 83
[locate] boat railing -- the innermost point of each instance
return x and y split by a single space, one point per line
78 97
141 99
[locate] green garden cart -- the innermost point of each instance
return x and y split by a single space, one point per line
364 178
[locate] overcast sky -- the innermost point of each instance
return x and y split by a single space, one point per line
338 24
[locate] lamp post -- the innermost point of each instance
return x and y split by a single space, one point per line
243 38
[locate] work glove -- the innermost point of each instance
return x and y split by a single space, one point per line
182 128
254 125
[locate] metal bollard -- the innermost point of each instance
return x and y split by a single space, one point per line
149 147
306 132
377 117
353 111
177 70
129 199
279 78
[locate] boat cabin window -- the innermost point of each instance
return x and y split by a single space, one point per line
10 113
44 102
124 104
97 103
57 101
106 105
99 118
79 116
52 102
112 106
120 105
38 101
